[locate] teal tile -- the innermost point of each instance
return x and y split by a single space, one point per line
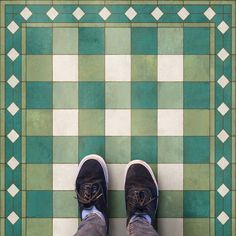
144 94
39 149
39 40
39 95
196 204
116 198
91 41
196 40
91 145
196 150
91 95
39 204
144 148
144 41
196 95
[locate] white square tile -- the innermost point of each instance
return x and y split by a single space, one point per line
65 226
117 226
65 122
170 122
118 122
170 176
170 226
170 68
64 176
117 67
116 176
65 68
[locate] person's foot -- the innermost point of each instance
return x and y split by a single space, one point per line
141 190
92 185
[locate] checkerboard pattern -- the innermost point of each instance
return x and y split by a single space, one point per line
154 83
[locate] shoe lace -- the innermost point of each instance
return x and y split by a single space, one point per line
89 193
139 199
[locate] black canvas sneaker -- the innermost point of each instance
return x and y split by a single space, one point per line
92 184
141 190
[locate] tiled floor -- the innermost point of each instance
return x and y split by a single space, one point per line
126 80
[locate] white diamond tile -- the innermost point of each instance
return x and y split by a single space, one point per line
52 13
78 13
13 217
26 13
223 163
223 54
223 217
13 108
13 27
223 109
13 163
209 13
131 13
223 136
183 13
13 136
223 190
13 81
157 13
105 13
222 27
13 54
13 190
223 81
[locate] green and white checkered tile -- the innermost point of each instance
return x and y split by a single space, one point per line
125 81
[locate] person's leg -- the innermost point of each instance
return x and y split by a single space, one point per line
141 197
91 191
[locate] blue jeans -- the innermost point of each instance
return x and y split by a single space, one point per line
93 225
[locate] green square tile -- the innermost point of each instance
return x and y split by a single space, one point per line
91 122
65 149
117 41
196 204
196 227
144 148
88 145
196 40
116 198
39 204
39 176
118 95
39 149
91 94
39 68
144 94
144 68
60 209
39 226
38 122
63 90
196 68
196 95
39 40
170 204
170 95
91 68
39 95
144 122
170 150
196 177
144 40
118 150
170 41
91 40
65 41
196 122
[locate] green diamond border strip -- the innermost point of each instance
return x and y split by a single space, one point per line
13 15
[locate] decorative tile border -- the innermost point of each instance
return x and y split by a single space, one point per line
220 15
